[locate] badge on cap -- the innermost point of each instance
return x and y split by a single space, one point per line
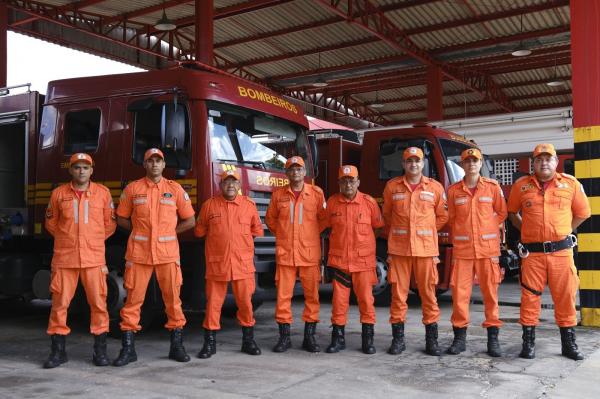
230 173
347 170
470 152
413 150
154 151
294 160
80 156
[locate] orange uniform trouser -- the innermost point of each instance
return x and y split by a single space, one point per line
560 274
426 275
137 276
362 283
63 286
215 296
285 279
461 282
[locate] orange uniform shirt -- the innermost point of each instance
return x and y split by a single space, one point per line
153 209
352 240
547 214
229 227
413 218
80 226
474 219
297 224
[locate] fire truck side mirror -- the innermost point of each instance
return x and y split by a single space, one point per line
172 131
314 150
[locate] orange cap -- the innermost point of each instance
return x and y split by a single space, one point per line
471 153
295 160
544 149
153 151
412 152
230 173
347 171
80 157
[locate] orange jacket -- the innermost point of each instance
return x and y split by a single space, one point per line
475 219
547 215
352 240
297 224
229 227
153 209
413 218
80 227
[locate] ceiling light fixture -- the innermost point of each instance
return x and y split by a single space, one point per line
521 50
164 23
555 81
377 104
320 82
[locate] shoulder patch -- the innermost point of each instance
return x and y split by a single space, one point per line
487 179
568 176
522 179
186 196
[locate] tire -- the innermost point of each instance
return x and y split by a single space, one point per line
382 290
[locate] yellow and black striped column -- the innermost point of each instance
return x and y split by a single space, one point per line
587 171
585 64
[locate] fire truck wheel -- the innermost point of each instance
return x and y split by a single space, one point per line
381 290
115 299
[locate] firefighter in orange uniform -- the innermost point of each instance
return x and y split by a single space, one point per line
414 209
296 216
80 217
551 206
150 207
476 208
352 217
229 222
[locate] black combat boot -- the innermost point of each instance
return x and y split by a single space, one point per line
310 344
528 351
248 344
127 354
397 346
493 346
459 344
284 343
431 343
58 354
338 341
210 344
177 351
569 347
367 339
100 358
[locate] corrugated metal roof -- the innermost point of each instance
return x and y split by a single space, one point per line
280 42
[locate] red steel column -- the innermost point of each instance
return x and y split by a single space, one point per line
3 51
435 93
204 31
585 60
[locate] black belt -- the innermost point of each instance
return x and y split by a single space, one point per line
550 246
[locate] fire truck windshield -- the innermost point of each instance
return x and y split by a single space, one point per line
247 137
452 150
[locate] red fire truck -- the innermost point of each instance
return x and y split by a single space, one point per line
379 159
203 120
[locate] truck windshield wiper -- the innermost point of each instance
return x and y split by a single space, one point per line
254 164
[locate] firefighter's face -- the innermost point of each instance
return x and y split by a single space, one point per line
544 166
230 188
81 172
471 165
296 173
349 186
154 166
413 166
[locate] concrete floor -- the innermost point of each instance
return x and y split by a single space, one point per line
298 374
